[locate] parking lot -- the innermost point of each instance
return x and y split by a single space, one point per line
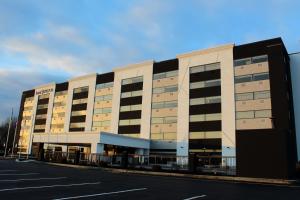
30 180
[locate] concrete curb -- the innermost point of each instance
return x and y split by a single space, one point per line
194 176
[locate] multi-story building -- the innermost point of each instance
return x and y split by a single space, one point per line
229 101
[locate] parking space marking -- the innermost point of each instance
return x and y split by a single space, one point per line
31 179
195 197
19 174
8 170
48 186
101 194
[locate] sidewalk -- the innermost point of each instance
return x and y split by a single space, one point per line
195 176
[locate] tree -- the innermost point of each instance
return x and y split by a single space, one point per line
3 134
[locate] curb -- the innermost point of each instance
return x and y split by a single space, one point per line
194 176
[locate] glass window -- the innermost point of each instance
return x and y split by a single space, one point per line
157 105
259 77
244 61
136 93
77 125
169 120
136 107
158 90
81 89
259 59
197 85
197 69
242 79
157 120
106 110
79 101
124 122
159 76
78 113
172 73
125 94
212 66
262 95
61 93
107 97
170 104
106 123
135 121
124 108
215 99
197 118
197 101
244 96
42 106
212 83
245 115
263 113
173 88
213 117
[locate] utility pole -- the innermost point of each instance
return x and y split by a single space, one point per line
9 125
12 152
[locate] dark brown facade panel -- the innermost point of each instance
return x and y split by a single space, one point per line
255 48
205 76
260 153
61 87
165 66
105 78
131 101
132 87
42 111
130 129
81 95
78 107
215 144
205 92
77 118
205 126
40 121
43 101
39 130
205 109
130 114
76 129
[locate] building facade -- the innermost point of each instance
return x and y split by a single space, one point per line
229 101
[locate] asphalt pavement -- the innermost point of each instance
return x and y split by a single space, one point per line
30 180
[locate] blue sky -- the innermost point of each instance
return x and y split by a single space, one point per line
46 41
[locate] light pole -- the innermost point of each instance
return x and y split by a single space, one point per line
13 148
9 125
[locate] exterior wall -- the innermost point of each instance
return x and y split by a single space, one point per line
224 55
295 72
141 69
90 81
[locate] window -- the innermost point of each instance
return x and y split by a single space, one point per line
259 77
78 113
105 85
259 59
130 108
41 116
132 80
79 101
205 100
165 104
244 96
263 114
202 68
160 90
262 95
81 89
165 75
77 125
43 106
60 93
102 110
127 122
205 117
103 97
242 79
169 120
101 123
245 115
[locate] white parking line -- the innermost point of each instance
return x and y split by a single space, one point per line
195 197
48 186
31 179
8 170
101 194
19 174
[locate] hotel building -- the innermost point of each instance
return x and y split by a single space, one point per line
230 101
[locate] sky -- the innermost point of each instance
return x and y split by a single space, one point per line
53 41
